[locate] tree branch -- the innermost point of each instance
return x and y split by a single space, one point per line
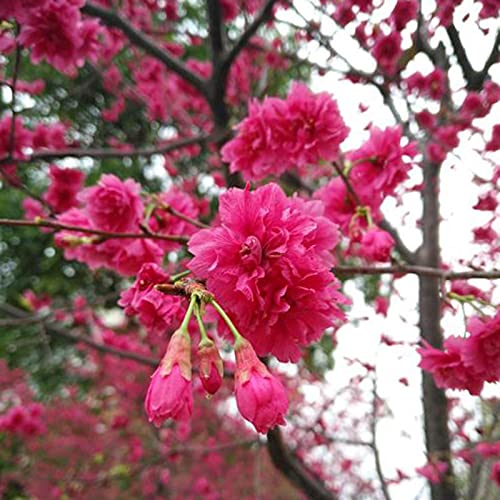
139 39
58 331
437 433
291 467
103 153
263 16
418 270
214 12
105 235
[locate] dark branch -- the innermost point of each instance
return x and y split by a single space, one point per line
215 33
140 40
418 270
290 466
102 153
58 331
102 235
263 16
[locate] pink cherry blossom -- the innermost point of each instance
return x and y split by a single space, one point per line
169 393
433 471
156 311
261 398
376 245
281 134
269 270
113 205
64 187
448 368
481 350
381 163
387 51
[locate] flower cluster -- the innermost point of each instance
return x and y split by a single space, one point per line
268 263
155 310
260 397
299 132
115 206
24 420
466 363
54 31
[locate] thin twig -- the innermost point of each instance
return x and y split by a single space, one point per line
141 40
59 226
419 270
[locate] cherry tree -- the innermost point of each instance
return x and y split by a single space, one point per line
209 212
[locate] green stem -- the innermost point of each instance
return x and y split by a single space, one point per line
205 339
180 275
189 312
237 335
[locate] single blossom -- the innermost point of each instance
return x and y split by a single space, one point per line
268 263
433 471
280 134
448 367
381 163
261 397
155 310
64 187
376 245
481 350
170 390
113 205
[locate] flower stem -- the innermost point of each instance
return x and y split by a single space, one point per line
205 339
189 312
237 335
180 275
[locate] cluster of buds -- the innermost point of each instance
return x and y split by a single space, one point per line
260 396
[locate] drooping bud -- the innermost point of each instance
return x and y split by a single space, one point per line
211 367
170 392
261 397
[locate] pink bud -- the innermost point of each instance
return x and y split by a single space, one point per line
170 393
261 397
211 368
376 245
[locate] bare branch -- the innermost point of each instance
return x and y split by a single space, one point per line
58 331
376 454
103 153
474 79
215 25
290 466
139 39
104 235
263 16
420 271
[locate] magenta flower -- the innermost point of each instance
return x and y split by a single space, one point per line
64 187
381 163
376 245
170 390
52 33
481 351
156 311
448 368
433 471
261 397
268 263
280 134
113 205
387 51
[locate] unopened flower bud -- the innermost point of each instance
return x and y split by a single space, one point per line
170 393
211 367
261 397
